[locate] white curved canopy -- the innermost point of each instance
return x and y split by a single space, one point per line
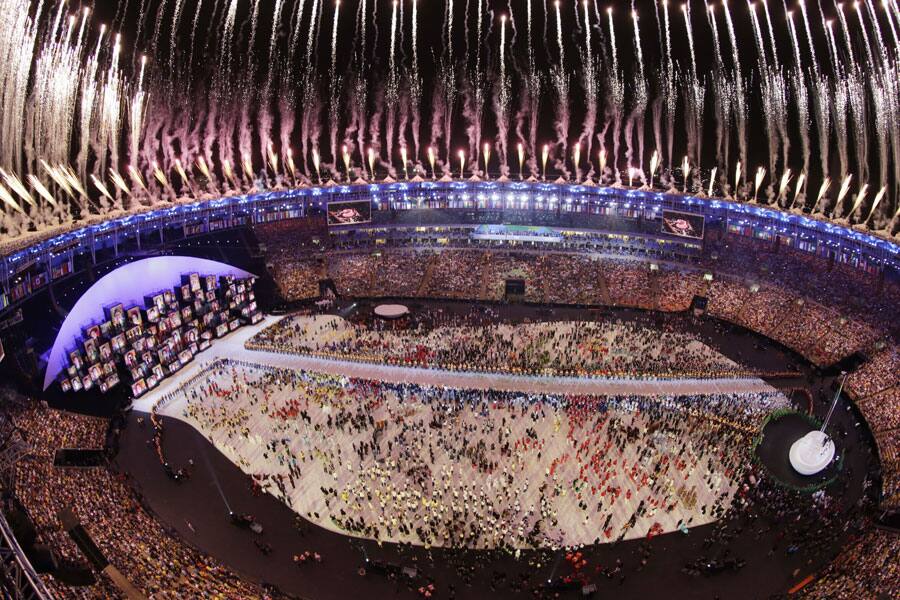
127 285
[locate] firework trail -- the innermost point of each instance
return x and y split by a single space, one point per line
722 95
502 103
359 96
801 94
739 105
774 100
225 75
669 76
839 6
334 83
160 14
560 80
634 125
876 27
190 63
772 45
589 84
66 99
176 20
840 107
445 106
856 97
474 93
809 37
297 20
527 115
695 93
415 83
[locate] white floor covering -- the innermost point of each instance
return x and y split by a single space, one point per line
570 476
232 346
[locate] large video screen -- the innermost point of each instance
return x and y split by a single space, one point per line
349 213
682 224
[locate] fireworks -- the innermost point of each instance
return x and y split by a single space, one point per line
78 110
757 181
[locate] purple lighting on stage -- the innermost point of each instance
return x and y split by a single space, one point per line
126 285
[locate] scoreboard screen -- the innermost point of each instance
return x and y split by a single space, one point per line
682 224
350 212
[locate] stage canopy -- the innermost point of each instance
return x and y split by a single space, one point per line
126 285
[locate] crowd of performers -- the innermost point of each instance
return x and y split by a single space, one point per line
604 348
511 472
483 469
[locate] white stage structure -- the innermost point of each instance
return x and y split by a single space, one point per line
391 311
813 452
126 285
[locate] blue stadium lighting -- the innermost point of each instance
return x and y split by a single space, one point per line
830 234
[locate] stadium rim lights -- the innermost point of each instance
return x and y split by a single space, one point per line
801 221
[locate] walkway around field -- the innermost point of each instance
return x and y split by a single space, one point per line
232 346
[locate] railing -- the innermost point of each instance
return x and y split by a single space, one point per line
20 580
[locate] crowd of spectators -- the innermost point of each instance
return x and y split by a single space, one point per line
876 388
882 413
400 273
628 283
440 466
150 557
290 248
867 568
764 308
352 274
61 429
822 309
889 452
814 330
298 280
799 316
503 266
857 296
845 310
676 288
162 567
882 410
566 279
456 274
481 275
726 299
880 372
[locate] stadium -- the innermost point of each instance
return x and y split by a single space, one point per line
372 299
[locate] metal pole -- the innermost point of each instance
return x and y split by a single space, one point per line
834 403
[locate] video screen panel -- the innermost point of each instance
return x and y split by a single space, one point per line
117 315
349 213
682 224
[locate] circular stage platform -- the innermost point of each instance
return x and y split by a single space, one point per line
785 451
391 311
812 453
